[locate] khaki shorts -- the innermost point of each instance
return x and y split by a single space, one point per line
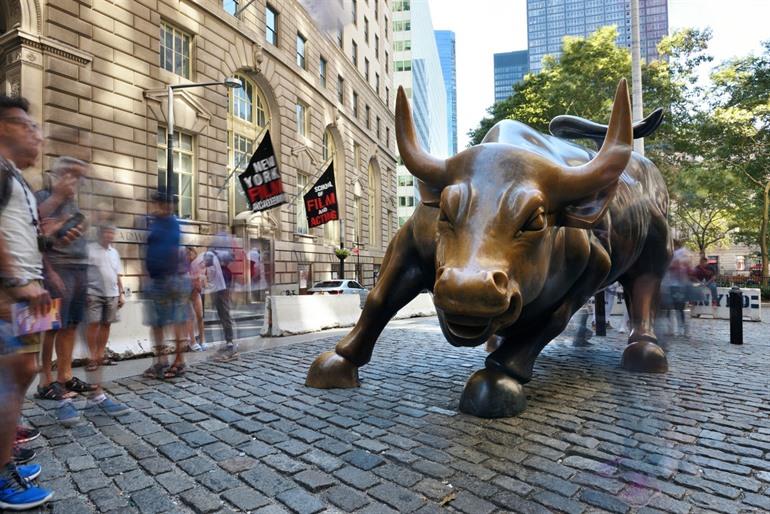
102 309
30 343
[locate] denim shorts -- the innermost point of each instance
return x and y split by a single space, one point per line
168 299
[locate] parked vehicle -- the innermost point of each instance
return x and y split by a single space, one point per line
339 287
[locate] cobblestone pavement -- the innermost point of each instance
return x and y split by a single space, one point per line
248 436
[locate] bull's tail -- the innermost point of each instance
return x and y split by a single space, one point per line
575 127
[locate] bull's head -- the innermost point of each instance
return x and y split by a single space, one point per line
499 206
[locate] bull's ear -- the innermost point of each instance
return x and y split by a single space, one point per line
429 195
586 212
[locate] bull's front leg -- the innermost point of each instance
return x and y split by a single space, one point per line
401 279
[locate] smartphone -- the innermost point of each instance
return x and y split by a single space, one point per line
74 220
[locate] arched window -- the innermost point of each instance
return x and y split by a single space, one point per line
374 219
332 229
248 116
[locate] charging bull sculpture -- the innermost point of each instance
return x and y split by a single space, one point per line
513 236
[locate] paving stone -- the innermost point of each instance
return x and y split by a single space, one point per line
397 474
134 481
89 480
397 497
175 482
116 465
197 438
245 498
81 463
604 501
356 477
177 451
220 451
267 481
314 480
218 480
257 449
237 464
284 463
471 504
196 466
153 500
559 502
156 465
363 459
107 499
300 501
201 501
70 506
231 437
346 498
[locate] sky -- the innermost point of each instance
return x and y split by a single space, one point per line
492 26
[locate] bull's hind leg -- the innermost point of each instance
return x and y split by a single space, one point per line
641 287
401 279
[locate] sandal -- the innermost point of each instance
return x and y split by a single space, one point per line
108 362
177 370
78 386
157 371
92 366
53 391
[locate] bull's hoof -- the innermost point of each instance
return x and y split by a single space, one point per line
644 357
332 371
491 393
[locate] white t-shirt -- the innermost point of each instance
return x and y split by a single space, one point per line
206 267
104 267
20 233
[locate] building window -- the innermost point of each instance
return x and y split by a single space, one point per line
182 179
376 10
740 263
366 30
387 62
230 6
368 112
299 203
301 41
401 5
377 83
376 46
332 228
402 25
403 46
301 118
405 180
406 201
386 24
403 65
356 156
387 137
366 69
354 54
341 90
271 25
357 219
248 116
373 218
378 128
355 13
355 105
339 39
322 71
175 50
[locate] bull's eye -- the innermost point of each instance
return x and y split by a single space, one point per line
535 223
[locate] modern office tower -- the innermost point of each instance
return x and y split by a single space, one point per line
417 68
510 68
549 21
445 41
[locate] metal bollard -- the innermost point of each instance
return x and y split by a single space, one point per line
735 302
601 320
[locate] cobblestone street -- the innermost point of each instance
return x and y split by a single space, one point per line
248 436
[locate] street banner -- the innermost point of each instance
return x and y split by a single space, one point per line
321 200
261 181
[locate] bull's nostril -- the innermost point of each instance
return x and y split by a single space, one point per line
500 279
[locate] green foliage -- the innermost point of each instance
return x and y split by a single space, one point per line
342 253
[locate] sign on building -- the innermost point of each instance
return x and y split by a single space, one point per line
321 200
261 181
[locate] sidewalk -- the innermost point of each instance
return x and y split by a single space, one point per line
249 436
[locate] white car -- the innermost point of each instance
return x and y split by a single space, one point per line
339 287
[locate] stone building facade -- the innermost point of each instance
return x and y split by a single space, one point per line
97 71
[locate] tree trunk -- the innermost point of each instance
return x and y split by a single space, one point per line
763 232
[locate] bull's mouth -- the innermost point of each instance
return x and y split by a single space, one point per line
466 327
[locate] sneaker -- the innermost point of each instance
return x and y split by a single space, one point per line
26 434
67 414
29 471
205 346
227 352
16 493
195 347
108 406
23 455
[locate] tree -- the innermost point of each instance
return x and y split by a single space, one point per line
740 132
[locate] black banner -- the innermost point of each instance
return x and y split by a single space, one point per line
261 181
321 200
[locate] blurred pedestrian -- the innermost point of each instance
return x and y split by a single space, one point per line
222 303
679 287
196 342
21 274
105 298
705 274
66 275
167 307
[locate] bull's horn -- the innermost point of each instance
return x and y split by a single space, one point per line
605 168
420 163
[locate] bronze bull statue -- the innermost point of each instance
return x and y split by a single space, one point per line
513 236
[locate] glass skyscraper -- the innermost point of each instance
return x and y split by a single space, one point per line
510 68
548 21
445 42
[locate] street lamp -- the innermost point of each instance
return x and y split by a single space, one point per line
229 82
